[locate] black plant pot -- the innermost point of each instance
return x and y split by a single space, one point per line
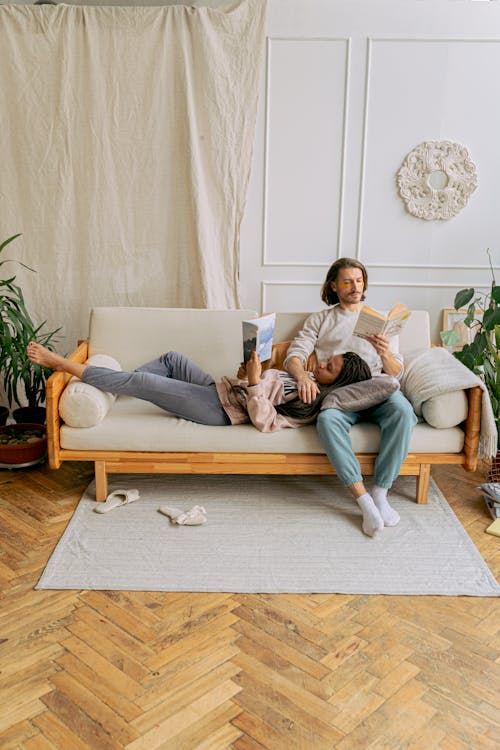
36 415
4 415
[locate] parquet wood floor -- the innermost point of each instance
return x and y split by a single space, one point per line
154 671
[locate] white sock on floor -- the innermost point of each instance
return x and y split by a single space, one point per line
390 516
372 520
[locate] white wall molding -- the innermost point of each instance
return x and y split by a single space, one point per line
417 284
430 266
371 42
267 258
406 72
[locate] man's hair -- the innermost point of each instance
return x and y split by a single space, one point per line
327 294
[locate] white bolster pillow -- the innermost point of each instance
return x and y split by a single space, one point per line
446 410
83 405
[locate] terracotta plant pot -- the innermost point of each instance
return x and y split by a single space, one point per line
20 453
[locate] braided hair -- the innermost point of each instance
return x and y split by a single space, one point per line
354 370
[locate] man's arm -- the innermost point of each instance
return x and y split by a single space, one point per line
307 389
298 352
390 364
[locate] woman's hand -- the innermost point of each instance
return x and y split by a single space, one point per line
242 371
253 369
307 389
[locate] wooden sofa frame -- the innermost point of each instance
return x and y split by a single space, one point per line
114 462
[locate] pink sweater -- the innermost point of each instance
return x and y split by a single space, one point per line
255 403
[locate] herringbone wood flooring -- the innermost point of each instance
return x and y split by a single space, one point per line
111 670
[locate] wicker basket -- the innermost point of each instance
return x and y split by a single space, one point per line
494 469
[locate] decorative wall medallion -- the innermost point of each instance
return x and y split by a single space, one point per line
436 180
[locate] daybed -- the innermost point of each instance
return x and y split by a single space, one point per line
134 436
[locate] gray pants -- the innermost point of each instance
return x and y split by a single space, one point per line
172 382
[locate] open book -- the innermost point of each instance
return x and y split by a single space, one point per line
258 336
371 321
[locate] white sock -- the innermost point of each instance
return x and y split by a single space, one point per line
372 520
390 516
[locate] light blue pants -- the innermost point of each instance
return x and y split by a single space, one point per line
172 382
396 420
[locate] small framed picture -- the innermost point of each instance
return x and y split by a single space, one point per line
453 320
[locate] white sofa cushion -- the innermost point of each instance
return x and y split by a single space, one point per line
134 336
134 425
446 410
82 405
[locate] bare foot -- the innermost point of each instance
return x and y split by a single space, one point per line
42 356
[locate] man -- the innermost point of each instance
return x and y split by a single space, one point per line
327 333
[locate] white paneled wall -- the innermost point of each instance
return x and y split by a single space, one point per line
349 88
306 111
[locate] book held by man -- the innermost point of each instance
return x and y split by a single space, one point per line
371 321
258 336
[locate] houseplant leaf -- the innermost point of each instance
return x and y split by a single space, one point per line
463 297
21 378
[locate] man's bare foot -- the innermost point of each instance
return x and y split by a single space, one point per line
44 357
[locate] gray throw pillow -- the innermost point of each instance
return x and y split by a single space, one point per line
359 396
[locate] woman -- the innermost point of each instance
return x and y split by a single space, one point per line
269 400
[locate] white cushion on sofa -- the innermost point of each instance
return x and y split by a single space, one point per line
211 338
135 425
446 410
82 405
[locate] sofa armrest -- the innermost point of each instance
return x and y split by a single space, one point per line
53 390
472 428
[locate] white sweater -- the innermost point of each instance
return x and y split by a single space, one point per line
329 332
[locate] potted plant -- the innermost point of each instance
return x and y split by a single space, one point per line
22 444
481 355
22 380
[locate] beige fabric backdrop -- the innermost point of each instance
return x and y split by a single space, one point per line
125 151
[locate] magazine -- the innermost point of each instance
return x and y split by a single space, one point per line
371 321
258 336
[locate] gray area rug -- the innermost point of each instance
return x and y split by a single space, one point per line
268 534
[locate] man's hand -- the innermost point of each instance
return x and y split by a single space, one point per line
380 343
253 369
307 389
390 365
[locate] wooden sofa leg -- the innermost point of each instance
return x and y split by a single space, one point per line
423 483
101 481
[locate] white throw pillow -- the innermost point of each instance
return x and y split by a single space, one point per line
83 405
446 410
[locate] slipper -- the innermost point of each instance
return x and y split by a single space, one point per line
117 498
172 513
194 517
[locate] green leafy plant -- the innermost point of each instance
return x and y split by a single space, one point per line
482 354
20 377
